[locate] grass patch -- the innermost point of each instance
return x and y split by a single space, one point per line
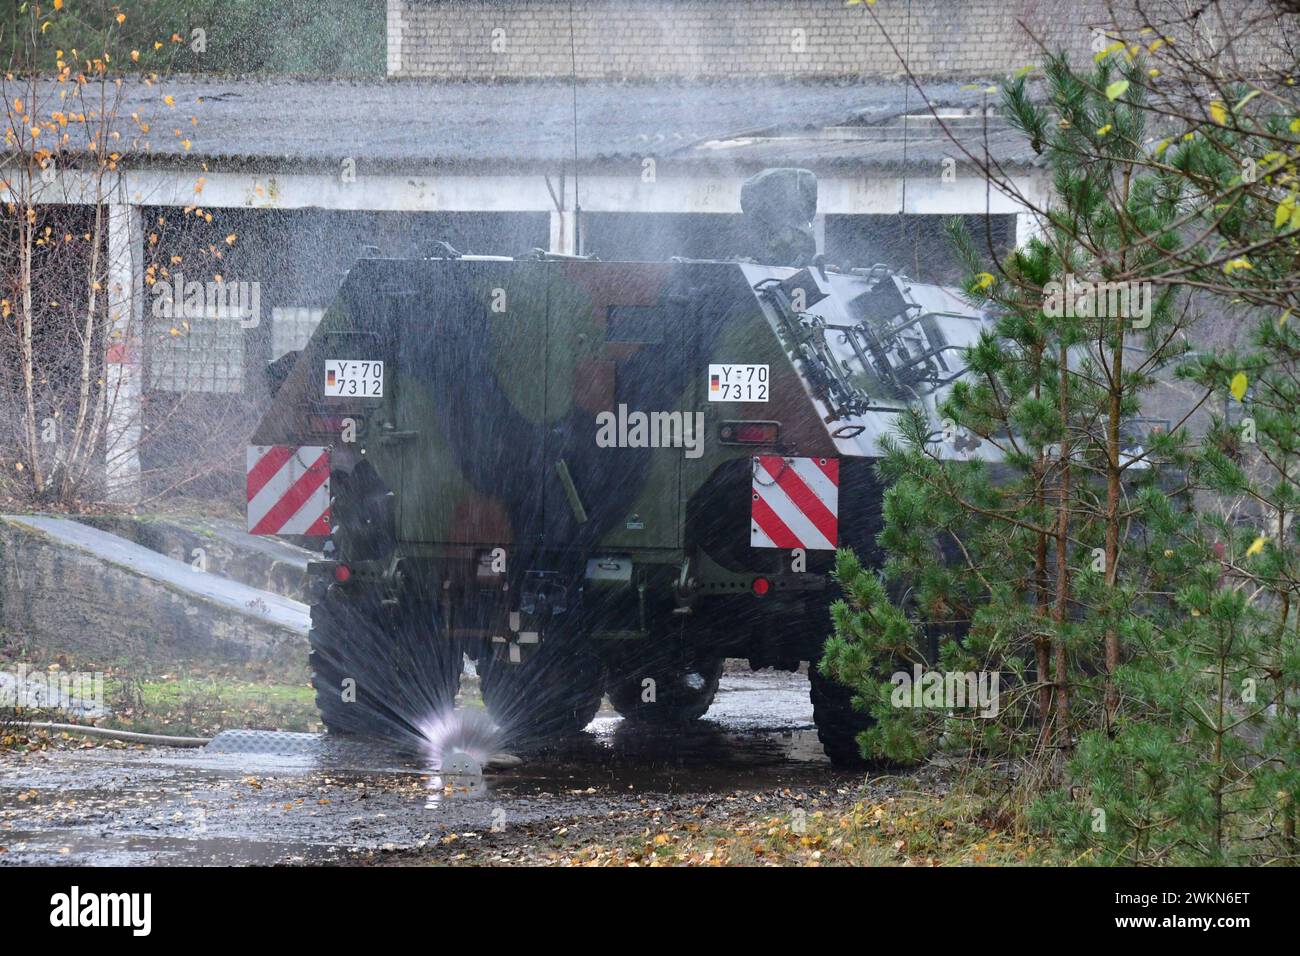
180 699
190 704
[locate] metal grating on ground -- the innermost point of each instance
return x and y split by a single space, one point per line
270 742
322 750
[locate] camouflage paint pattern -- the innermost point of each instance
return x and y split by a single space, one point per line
496 371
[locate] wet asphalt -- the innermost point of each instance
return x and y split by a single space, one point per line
337 801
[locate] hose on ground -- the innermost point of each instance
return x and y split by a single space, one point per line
127 736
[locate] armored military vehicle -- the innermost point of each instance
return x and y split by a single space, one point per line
594 478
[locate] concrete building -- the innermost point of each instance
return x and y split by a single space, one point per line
481 137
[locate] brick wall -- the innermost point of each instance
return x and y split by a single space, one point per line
701 39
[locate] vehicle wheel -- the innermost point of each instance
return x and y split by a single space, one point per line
681 694
553 692
380 670
838 721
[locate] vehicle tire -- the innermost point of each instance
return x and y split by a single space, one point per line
380 670
682 694
554 692
838 721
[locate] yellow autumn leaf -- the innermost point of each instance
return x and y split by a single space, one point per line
121 18
169 100
1256 546
1103 130
1116 89
1238 385
1282 319
983 280
1284 210
1219 112
58 4
1102 54
1233 265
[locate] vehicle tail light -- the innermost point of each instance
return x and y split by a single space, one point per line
749 433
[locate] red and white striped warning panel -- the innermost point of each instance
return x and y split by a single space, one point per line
796 503
288 489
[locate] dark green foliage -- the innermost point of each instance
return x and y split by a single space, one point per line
1133 588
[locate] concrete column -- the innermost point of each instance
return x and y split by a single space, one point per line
819 232
123 358
1027 227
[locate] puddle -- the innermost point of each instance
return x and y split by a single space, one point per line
264 797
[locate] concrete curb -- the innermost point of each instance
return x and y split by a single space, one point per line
265 563
72 588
